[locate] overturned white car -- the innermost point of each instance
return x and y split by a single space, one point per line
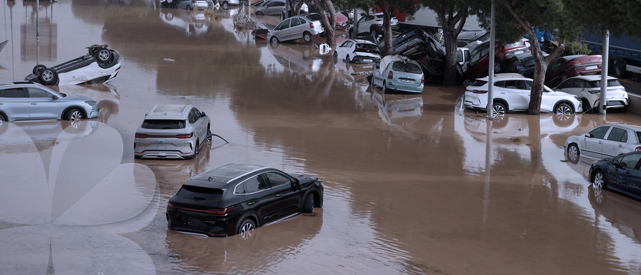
99 65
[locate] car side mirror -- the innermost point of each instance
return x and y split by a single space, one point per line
363 14
296 185
202 114
588 135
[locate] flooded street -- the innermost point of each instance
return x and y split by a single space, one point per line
413 183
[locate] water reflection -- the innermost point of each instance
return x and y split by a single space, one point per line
621 212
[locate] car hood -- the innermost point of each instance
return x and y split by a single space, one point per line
70 97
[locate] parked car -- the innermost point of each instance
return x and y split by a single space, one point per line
398 73
236 198
620 173
300 26
372 24
32 101
342 22
572 65
512 94
605 141
303 9
187 4
480 58
463 57
272 7
172 131
226 3
588 89
358 51
521 64
466 37
99 65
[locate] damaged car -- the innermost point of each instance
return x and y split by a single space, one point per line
399 74
357 51
100 65
237 198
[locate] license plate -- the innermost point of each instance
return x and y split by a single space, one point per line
591 67
367 60
518 52
406 80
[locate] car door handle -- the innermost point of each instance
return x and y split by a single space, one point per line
33 103
599 142
620 146
251 202
279 195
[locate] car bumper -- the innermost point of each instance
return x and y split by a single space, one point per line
196 222
405 88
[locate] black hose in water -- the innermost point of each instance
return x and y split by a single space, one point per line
210 135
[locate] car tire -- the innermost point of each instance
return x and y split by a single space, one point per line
226 6
3 119
499 108
563 108
619 69
244 227
307 37
372 32
573 153
322 34
274 41
347 59
259 13
308 204
103 55
335 57
497 66
38 68
586 104
384 88
73 114
48 76
599 180
467 82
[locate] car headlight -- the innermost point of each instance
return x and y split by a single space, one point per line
91 103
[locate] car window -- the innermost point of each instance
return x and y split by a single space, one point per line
13 92
345 44
528 86
39 93
163 124
406 67
200 193
554 65
479 83
638 137
459 56
279 4
467 55
570 83
499 84
476 53
361 20
514 84
193 116
630 161
254 184
597 83
349 43
599 132
618 134
277 179
295 22
283 25
314 17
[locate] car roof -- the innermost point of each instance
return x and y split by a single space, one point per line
222 175
591 77
363 41
631 127
169 111
502 76
570 57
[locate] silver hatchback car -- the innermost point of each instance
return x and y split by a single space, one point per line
295 27
32 101
172 131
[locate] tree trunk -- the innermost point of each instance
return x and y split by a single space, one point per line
450 34
541 66
329 24
298 6
387 30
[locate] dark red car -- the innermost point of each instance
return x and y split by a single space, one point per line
480 58
571 65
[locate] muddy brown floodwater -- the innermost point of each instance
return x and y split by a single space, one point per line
414 184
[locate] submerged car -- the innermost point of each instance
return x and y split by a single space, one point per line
399 74
605 141
236 198
32 101
99 65
621 173
357 51
512 94
172 131
572 65
588 89
295 27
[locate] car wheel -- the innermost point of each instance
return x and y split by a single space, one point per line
3 119
38 68
322 34
467 82
499 108
619 69
586 104
308 205
48 76
74 114
599 180
245 227
563 108
573 153
259 13
104 55
307 37
274 40
497 66
347 59
226 6
384 87
335 57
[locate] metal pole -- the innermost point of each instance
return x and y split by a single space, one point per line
355 28
605 51
490 69
37 19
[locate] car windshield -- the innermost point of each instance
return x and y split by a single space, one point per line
366 47
406 67
512 45
199 193
163 124
611 83
314 17
478 83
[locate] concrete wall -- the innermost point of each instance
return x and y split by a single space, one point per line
635 104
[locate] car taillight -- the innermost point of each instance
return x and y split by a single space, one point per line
390 75
638 148
479 92
423 79
575 62
311 25
170 205
185 135
355 58
219 211
141 135
193 1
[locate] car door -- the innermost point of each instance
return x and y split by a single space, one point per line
634 181
623 170
343 49
593 142
198 124
282 29
295 31
614 143
44 105
260 198
290 198
520 98
15 103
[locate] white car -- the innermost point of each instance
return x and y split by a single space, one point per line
373 24
511 93
588 89
605 141
358 51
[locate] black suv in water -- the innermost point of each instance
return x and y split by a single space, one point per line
235 198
